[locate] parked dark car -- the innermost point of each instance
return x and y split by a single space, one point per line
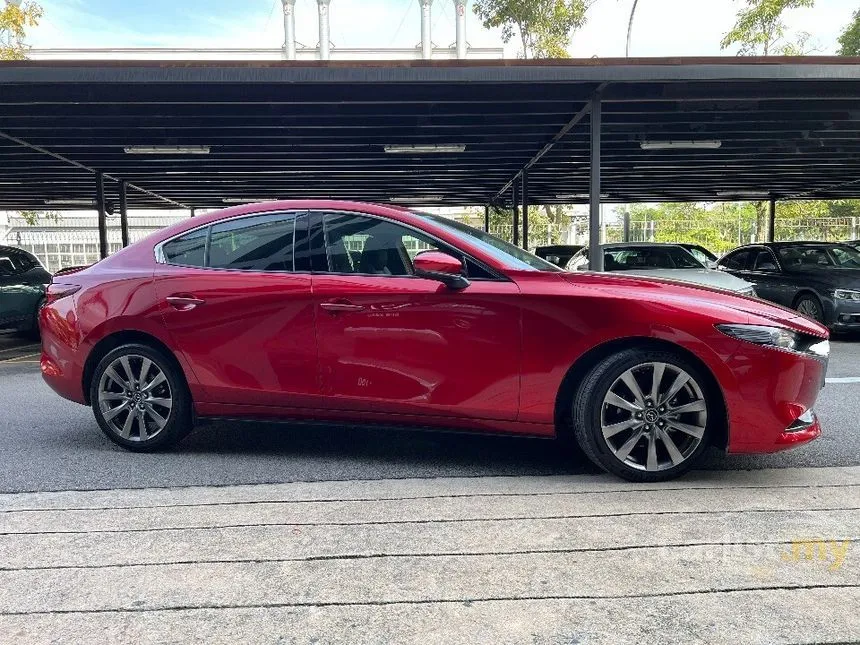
558 254
22 290
819 279
702 254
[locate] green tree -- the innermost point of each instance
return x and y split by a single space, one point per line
15 19
759 29
34 217
849 41
544 26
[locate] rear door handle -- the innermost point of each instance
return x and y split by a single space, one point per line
184 303
336 306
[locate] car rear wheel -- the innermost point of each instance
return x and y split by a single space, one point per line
140 398
810 307
643 415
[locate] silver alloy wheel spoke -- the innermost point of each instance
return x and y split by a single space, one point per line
624 451
672 433
134 404
680 381
116 378
624 404
651 463
656 379
615 428
630 381
674 454
694 431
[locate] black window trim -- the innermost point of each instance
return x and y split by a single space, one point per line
318 221
297 214
758 248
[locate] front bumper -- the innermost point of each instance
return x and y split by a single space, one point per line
846 314
771 407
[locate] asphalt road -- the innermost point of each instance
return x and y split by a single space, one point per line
47 443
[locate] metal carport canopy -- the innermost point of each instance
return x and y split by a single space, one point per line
787 127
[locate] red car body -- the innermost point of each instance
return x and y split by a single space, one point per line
500 355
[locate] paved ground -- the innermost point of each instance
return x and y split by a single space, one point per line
52 444
545 560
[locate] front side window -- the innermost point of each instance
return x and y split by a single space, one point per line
764 261
365 245
260 243
736 261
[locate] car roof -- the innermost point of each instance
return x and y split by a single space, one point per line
559 247
633 245
778 245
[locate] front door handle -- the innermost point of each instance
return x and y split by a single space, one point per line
337 306
184 302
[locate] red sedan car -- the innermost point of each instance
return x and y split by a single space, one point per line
363 313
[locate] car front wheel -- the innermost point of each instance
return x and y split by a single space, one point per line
140 398
643 415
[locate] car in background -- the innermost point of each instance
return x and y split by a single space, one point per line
702 254
23 280
854 243
558 254
360 313
821 280
658 260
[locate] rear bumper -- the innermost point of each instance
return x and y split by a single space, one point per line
61 367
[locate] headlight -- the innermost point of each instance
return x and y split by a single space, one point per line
846 294
761 335
779 338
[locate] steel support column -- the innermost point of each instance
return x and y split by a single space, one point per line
525 196
193 211
123 213
487 218
595 256
771 228
100 206
515 203
626 227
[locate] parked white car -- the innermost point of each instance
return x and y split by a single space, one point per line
655 260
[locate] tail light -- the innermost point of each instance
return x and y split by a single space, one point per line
56 291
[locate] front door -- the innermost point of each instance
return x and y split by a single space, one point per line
392 342
236 299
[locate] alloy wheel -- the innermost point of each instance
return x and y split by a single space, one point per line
135 398
809 308
654 416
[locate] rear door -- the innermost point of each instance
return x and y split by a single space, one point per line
395 343
236 299
764 272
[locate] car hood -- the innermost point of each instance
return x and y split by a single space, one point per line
717 302
706 277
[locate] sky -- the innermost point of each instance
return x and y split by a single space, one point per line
662 27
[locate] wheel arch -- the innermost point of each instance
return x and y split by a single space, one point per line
584 364
117 339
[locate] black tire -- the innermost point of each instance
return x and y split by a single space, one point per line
810 306
179 420
589 407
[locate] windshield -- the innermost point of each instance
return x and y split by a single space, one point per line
511 256
806 256
640 258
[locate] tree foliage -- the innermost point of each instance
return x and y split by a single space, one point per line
849 41
760 30
543 26
34 217
14 22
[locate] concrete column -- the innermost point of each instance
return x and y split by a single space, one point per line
460 14
325 31
426 41
289 29
771 229
100 206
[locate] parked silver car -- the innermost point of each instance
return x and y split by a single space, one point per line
656 260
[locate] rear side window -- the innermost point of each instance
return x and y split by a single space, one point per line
262 243
187 250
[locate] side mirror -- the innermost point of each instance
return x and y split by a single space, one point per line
444 268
